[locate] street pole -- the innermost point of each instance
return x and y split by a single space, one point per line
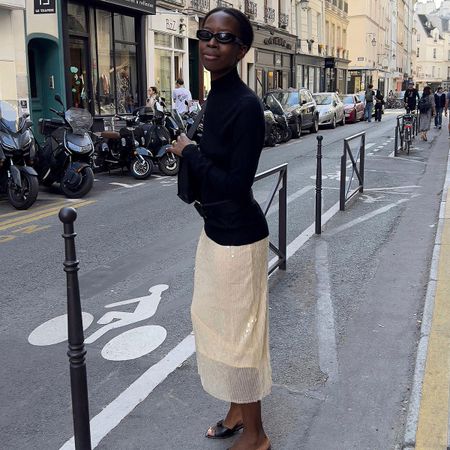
319 186
77 352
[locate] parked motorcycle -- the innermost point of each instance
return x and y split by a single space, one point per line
283 132
17 153
124 148
67 152
158 137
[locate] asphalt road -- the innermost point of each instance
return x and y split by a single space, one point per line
342 350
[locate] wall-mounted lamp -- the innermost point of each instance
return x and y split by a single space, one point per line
373 41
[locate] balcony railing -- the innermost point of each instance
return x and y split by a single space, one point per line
283 20
269 14
200 5
224 4
251 9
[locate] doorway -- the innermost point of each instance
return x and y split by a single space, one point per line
45 77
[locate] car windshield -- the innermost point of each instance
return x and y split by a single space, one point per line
79 119
287 98
348 100
323 99
9 115
274 105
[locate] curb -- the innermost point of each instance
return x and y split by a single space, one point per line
409 440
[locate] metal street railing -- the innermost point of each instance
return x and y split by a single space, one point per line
281 187
345 194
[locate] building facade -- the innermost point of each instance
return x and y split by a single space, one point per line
336 26
13 60
432 51
92 53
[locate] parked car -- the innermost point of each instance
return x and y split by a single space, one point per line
300 108
353 108
331 109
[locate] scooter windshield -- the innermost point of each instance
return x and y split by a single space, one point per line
9 115
79 119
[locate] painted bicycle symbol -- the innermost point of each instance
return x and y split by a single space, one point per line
128 345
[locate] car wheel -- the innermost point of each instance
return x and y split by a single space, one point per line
333 122
315 125
298 129
343 120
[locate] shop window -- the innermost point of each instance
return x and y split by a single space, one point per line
124 28
270 80
126 75
76 15
163 72
179 44
163 40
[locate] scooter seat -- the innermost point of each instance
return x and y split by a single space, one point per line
110 134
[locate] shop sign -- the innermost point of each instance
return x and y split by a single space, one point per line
44 6
144 6
171 25
279 41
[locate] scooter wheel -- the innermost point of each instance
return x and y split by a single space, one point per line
23 198
169 164
141 169
84 187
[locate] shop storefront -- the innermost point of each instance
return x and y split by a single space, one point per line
168 42
310 72
274 55
93 53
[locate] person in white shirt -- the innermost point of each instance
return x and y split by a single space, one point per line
180 96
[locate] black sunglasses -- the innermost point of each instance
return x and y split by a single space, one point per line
223 37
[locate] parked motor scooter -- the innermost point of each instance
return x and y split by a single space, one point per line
124 148
17 153
158 138
66 155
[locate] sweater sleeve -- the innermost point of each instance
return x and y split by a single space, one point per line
246 147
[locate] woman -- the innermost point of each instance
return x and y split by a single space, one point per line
427 110
379 102
229 308
152 96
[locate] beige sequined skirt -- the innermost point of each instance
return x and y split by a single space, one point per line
230 320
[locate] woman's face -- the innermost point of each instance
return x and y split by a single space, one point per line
150 92
218 58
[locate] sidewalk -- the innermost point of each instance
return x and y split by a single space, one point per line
345 324
428 421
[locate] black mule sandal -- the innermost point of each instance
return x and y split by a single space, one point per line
223 432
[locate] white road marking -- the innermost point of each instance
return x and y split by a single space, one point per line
328 361
392 188
291 198
370 145
128 186
367 217
139 390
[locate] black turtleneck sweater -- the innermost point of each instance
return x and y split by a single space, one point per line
225 163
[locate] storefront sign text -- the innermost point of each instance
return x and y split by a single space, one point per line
144 6
278 41
44 6
171 25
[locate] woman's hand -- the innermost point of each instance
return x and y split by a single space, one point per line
179 145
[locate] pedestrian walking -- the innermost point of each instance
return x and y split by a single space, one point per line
369 97
447 104
180 96
411 98
427 110
439 101
379 102
152 96
229 308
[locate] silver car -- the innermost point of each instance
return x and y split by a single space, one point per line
331 109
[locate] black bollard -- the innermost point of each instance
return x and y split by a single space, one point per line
319 186
76 353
